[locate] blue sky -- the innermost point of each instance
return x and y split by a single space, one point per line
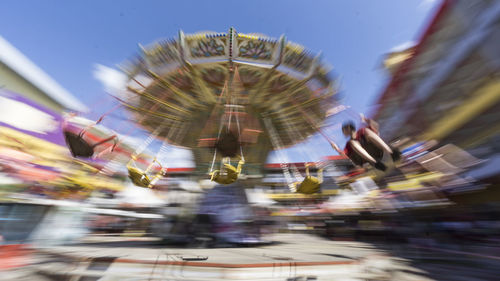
67 38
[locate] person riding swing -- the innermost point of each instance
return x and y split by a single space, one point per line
365 145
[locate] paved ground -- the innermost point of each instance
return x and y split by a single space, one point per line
296 247
450 262
292 257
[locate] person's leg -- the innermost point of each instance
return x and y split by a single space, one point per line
358 149
374 138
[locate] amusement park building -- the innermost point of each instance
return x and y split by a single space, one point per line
31 103
18 74
447 87
33 150
27 87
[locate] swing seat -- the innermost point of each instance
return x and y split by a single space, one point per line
309 185
231 175
77 145
370 147
138 177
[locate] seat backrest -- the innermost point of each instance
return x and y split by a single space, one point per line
77 145
309 185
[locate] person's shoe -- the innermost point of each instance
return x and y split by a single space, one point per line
396 154
380 166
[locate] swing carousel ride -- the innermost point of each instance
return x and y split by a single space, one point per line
211 92
227 97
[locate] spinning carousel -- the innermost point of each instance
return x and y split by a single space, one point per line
229 97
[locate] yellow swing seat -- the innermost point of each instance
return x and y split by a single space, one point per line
230 176
140 177
310 184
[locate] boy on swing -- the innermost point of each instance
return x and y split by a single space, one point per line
365 145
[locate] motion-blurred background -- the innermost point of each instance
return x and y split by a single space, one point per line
115 117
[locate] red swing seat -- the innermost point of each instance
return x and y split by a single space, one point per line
79 147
